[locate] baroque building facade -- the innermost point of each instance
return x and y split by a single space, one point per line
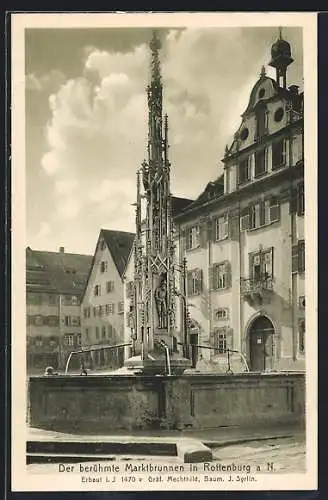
243 243
55 282
243 238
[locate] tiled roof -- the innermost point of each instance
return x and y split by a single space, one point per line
57 271
119 244
213 189
179 204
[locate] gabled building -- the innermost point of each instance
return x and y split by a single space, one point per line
55 282
244 239
102 303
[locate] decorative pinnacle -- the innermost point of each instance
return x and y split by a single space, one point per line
280 33
263 72
155 45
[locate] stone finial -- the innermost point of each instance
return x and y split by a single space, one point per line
263 72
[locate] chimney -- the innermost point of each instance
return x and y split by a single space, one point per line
61 249
293 89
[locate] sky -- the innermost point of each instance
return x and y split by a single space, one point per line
86 118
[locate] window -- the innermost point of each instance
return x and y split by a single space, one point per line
53 341
69 339
97 290
52 299
297 201
261 121
79 339
244 219
195 282
39 341
34 298
301 335
101 310
86 312
86 331
222 227
103 266
102 244
103 332
261 265
221 314
67 321
95 311
110 331
110 286
110 309
97 332
53 320
261 213
120 307
192 237
222 340
244 171
75 321
278 154
38 320
260 162
221 276
298 257
75 300
273 209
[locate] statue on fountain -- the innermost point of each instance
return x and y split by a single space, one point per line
161 303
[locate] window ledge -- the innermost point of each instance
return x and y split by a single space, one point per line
261 227
221 239
194 249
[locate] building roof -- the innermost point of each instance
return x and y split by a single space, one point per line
119 244
59 272
213 189
179 204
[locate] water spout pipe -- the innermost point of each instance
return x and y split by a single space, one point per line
167 357
91 349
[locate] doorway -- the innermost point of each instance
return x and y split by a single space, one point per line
261 334
194 349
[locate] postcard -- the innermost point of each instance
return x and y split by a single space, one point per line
164 236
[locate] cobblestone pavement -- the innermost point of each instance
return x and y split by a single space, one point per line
284 455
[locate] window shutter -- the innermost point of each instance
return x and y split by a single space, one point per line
202 234
294 258
284 151
301 256
251 216
189 284
266 159
293 201
226 225
199 280
228 277
262 213
300 199
211 277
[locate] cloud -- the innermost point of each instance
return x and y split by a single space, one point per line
97 133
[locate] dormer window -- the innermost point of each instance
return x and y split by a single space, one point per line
261 121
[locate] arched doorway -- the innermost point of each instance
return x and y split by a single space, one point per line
261 333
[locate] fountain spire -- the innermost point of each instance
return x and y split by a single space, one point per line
154 271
